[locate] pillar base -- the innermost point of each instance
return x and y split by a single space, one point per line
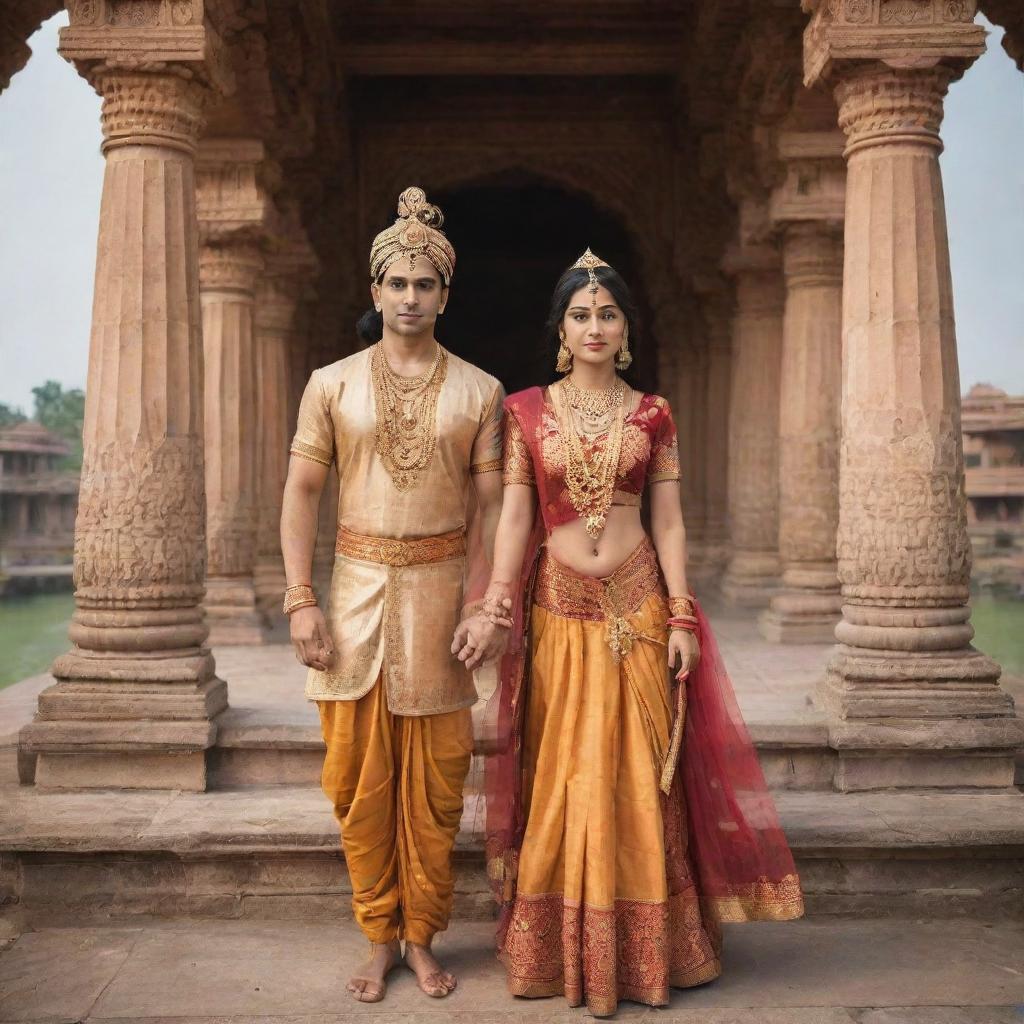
801 618
231 613
751 580
132 722
127 754
902 719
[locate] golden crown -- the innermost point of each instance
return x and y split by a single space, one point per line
416 232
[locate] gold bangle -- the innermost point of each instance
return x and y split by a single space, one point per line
682 606
299 596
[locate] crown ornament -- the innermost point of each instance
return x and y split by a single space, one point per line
589 262
417 232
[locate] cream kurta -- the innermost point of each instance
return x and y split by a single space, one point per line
398 619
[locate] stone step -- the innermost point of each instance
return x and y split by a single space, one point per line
272 852
255 749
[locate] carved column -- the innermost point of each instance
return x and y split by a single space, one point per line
717 310
692 413
134 699
911 702
232 210
329 328
808 207
275 313
752 574
278 316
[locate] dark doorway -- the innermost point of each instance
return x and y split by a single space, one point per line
514 236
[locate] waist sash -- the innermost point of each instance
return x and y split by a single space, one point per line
391 551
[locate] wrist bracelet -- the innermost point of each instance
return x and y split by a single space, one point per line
299 596
686 606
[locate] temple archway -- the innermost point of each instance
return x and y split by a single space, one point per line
514 235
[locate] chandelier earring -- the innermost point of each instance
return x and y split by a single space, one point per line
564 362
624 358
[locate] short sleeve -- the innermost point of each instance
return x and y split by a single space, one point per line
518 460
314 433
486 454
664 464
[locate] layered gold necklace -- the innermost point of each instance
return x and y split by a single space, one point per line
406 416
591 464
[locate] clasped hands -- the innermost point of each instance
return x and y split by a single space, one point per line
483 635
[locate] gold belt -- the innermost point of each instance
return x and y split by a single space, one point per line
391 551
572 595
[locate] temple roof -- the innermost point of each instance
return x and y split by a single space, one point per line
30 436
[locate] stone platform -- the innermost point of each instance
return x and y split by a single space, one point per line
262 843
226 972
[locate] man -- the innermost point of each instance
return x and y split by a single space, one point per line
408 426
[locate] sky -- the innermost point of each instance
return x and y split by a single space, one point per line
51 176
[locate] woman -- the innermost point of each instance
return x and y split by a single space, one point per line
614 871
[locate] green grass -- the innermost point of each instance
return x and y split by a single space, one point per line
33 631
999 631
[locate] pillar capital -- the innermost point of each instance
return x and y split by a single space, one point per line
812 254
814 186
901 34
231 190
154 62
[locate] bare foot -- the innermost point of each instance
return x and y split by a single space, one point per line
368 983
430 975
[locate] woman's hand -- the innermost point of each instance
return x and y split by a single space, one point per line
311 638
477 640
683 648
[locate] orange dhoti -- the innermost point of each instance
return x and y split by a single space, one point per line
607 906
396 785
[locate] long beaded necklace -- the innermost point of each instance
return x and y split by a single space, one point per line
406 432
591 464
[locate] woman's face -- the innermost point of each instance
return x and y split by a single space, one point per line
593 325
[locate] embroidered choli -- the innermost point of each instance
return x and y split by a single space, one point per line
535 451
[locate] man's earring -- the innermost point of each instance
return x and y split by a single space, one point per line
377 308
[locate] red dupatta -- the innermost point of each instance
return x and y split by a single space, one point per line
743 863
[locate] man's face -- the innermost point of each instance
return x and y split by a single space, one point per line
410 299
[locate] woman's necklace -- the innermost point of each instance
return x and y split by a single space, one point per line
584 417
406 430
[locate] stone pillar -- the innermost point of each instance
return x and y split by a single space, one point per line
808 207
717 311
326 326
287 282
134 699
910 701
752 574
232 211
691 410
275 311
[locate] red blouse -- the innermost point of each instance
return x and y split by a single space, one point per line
535 451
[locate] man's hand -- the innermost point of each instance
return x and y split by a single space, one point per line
311 638
478 640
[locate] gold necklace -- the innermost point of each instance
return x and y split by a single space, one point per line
590 466
406 407
594 403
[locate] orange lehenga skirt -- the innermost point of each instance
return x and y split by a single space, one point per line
606 906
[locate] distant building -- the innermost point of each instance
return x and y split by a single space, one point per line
38 501
993 429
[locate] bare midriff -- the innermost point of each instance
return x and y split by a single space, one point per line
571 545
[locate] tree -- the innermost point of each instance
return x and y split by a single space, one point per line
62 412
10 417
